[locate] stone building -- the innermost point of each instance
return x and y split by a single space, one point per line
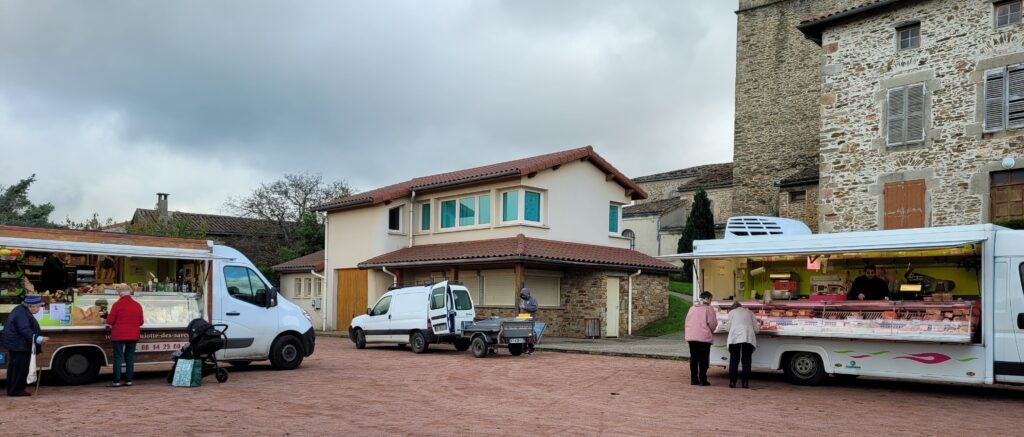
778 107
657 222
922 105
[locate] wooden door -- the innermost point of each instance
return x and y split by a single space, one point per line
612 319
904 204
1007 195
351 298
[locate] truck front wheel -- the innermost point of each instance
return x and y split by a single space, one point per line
286 353
76 366
480 347
804 368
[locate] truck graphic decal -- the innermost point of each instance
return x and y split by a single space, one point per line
926 358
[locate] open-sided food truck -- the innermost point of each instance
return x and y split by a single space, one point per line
175 281
953 310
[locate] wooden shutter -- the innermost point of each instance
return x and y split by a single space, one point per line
904 204
995 110
915 113
1015 96
896 116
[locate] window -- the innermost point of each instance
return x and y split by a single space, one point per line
448 214
437 298
909 36
462 300
1004 98
1007 13
510 206
425 217
1007 195
545 286
905 115
797 196
381 307
318 287
467 211
245 285
309 287
532 208
904 204
297 292
613 219
395 219
498 288
485 209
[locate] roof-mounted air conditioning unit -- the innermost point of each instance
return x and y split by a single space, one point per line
748 226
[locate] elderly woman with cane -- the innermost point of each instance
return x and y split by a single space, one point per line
21 330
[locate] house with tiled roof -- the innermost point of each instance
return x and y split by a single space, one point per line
551 223
655 224
301 281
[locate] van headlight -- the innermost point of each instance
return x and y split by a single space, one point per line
308 317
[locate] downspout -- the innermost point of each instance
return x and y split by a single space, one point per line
657 231
394 277
412 216
629 305
323 308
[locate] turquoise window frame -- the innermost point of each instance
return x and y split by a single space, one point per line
467 211
425 217
510 206
613 219
484 209
531 206
448 214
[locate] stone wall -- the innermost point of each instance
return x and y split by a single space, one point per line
777 98
663 189
584 295
860 63
804 210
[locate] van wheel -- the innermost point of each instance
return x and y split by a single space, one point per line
480 347
360 339
515 349
805 368
76 366
418 342
286 353
462 344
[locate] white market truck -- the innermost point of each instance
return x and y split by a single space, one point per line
176 281
953 311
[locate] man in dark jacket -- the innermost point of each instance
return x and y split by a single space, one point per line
125 320
54 276
528 305
868 286
20 330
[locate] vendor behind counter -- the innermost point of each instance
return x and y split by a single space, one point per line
868 286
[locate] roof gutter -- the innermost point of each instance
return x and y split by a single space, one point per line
339 205
513 259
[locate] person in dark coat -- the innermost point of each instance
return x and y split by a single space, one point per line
528 305
54 277
20 330
125 319
868 286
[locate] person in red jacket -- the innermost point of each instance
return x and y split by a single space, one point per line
125 320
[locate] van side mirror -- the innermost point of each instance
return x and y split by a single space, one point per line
271 297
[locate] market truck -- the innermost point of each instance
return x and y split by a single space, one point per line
176 281
954 310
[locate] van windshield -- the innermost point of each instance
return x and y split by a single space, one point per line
462 301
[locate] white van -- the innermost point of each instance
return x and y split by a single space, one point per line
203 280
417 316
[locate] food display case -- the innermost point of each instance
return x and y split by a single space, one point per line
160 309
953 322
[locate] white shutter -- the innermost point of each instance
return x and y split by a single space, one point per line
545 289
1015 96
896 116
995 109
915 113
499 288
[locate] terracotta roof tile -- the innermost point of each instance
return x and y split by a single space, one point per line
515 168
313 261
711 176
813 26
216 224
518 248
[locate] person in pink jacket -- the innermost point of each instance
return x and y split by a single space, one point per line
701 322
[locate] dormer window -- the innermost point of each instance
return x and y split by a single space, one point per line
908 36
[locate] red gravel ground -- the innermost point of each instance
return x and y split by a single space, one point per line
386 391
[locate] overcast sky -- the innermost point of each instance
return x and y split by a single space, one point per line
110 102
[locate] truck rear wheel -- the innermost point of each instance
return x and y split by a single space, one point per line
516 349
417 342
805 368
76 366
286 353
480 347
462 344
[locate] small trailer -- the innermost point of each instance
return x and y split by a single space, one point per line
517 333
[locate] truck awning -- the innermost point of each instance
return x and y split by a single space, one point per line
845 242
78 247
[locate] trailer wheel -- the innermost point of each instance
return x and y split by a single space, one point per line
417 342
805 368
76 366
516 349
360 339
462 344
480 347
286 353
222 375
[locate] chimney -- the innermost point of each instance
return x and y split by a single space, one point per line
161 206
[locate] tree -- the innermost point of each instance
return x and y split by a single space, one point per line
16 209
286 201
700 225
309 238
90 224
177 226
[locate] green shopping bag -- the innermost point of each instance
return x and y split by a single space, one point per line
188 373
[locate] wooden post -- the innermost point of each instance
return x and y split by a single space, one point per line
400 277
453 273
520 275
